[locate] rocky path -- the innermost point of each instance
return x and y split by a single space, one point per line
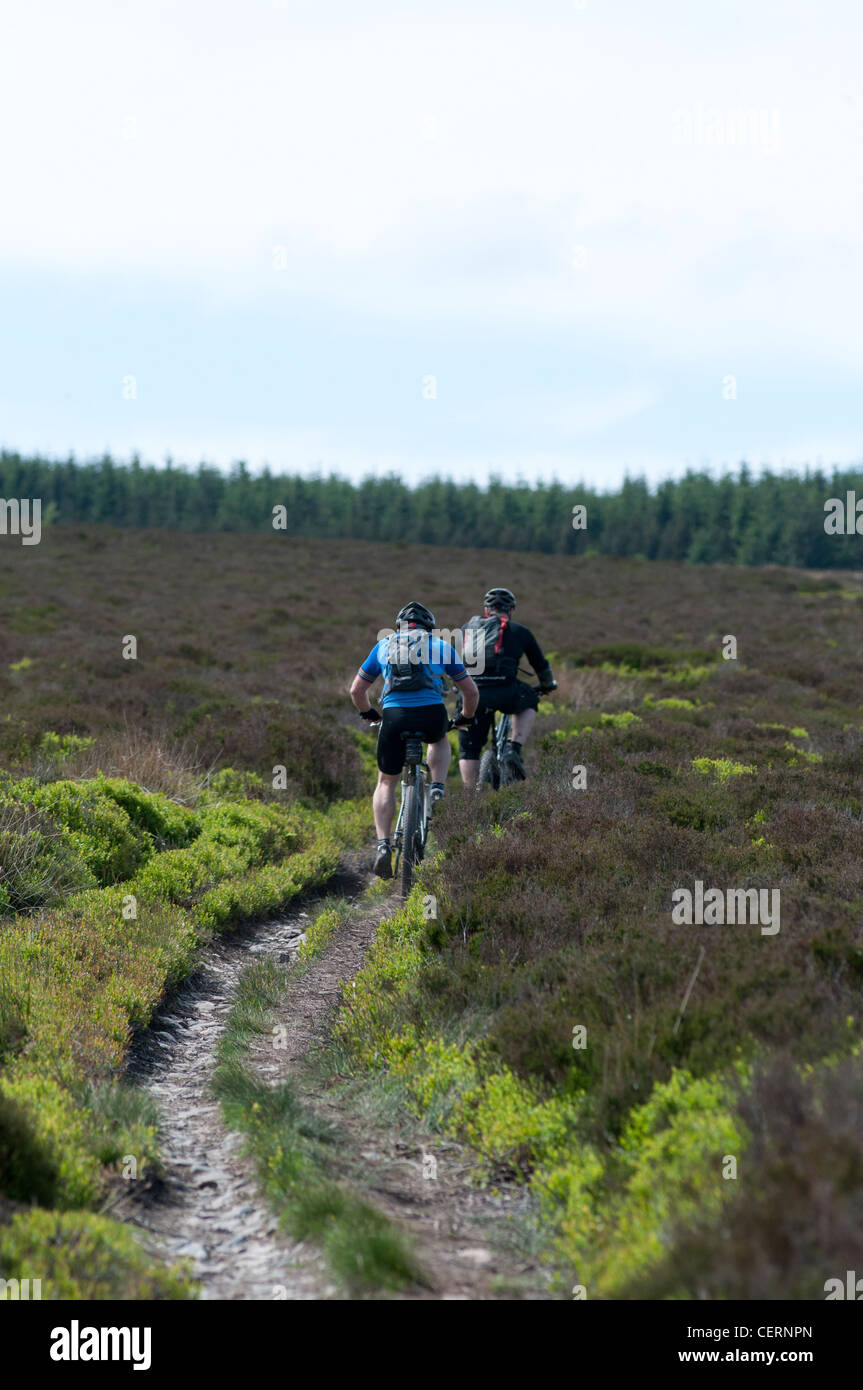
209 1210
421 1182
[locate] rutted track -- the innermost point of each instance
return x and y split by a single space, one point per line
208 1209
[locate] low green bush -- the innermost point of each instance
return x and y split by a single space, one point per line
553 918
94 966
85 1257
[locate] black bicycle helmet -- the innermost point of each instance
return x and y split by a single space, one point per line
416 613
500 598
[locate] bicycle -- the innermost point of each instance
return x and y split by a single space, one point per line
492 764
411 832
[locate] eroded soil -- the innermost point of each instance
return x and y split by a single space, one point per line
208 1208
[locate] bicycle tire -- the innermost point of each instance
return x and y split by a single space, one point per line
411 831
489 770
506 777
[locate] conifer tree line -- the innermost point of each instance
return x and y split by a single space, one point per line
738 518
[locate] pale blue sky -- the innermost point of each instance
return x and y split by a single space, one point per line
580 219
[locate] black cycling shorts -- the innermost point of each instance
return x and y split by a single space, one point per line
430 721
510 698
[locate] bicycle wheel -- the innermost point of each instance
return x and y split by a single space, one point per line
411 836
489 770
508 777
501 734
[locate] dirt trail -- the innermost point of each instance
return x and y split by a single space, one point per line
209 1209
458 1230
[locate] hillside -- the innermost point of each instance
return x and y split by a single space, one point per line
546 1010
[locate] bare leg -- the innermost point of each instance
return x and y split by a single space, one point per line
384 803
522 725
469 769
439 756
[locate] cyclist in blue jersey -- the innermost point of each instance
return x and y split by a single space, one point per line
413 663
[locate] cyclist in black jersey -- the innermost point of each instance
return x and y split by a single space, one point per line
502 644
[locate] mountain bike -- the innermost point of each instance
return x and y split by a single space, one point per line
492 765
409 840
411 832
492 758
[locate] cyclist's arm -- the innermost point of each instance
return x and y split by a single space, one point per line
469 695
534 655
364 680
360 691
455 669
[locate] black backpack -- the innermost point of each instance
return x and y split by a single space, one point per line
408 673
479 655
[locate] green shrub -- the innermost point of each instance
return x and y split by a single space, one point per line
721 768
91 826
28 1171
391 966
171 825
327 922
84 1257
794 1217
39 863
613 1218
55 1134
230 785
73 985
675 702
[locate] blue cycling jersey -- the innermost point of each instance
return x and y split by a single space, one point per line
446 662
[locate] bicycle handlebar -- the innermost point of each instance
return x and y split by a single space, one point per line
451 723
373 716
